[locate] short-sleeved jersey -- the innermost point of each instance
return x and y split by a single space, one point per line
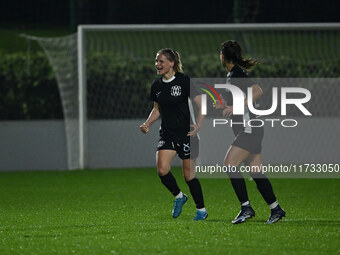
172 97
239 77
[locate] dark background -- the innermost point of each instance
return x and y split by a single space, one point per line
68 13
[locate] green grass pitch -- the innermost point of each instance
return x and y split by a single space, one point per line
129 212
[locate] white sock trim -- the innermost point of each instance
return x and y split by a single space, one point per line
273 205
180 195
245 203
202 209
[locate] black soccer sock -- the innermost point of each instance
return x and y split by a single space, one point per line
239 185
265 187
170 183
196 192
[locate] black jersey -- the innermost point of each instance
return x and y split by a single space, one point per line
239 77
172 97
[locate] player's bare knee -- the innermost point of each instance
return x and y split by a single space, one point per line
230 162
255 170
186 168
187 175
163 170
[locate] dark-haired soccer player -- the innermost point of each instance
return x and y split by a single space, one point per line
247 144
170 93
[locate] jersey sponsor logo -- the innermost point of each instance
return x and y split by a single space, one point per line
160 143
176 91
158 94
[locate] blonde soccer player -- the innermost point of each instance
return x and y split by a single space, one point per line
170 93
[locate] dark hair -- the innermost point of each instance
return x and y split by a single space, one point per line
172 56
232 52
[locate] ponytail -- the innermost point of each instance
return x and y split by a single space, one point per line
248 64
232 52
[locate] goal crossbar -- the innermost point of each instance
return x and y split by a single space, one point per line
230 27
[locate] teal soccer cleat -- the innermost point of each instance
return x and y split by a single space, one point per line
178 204
201 215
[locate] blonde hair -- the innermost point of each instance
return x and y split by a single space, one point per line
172 56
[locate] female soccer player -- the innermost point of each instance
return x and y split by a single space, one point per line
247 144
170 93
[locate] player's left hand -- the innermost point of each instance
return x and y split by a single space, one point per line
193 130
228 111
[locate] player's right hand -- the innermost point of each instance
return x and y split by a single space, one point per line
144 128
228 111
218 105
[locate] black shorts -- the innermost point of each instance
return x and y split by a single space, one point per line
249 142
185 150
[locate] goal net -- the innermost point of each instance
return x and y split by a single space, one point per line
104 74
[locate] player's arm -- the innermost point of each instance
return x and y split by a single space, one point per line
200 117
257 93
153 116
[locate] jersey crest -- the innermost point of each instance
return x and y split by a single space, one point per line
176 91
